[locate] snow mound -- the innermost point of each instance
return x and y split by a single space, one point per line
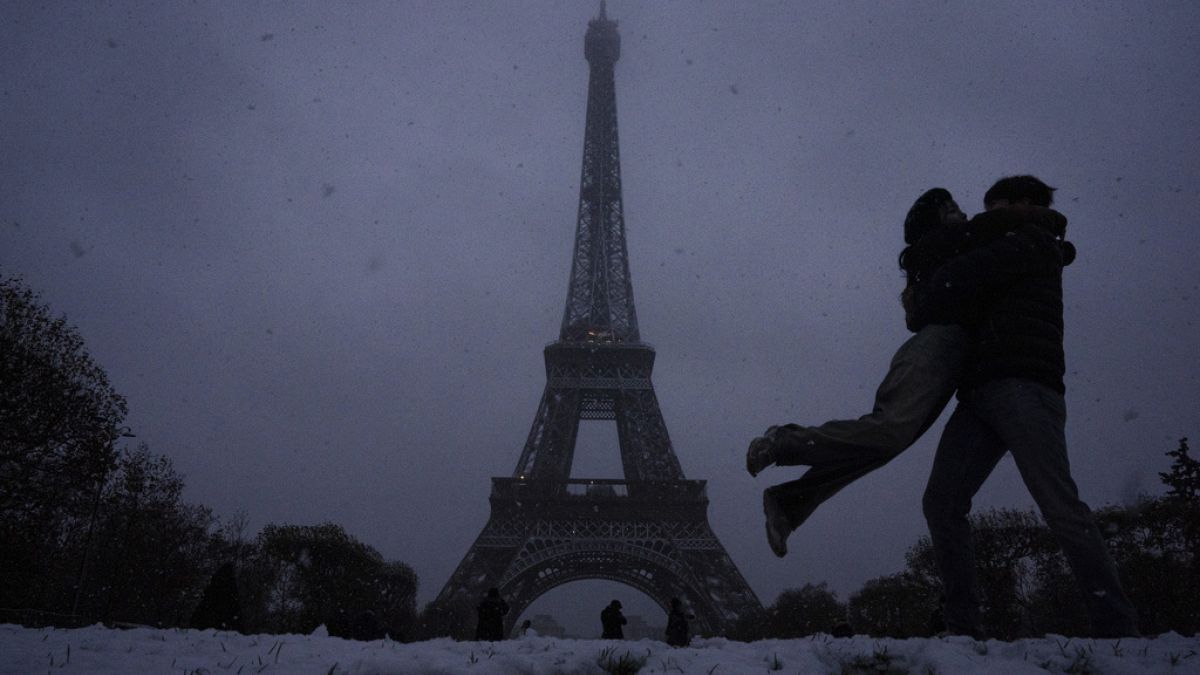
102 651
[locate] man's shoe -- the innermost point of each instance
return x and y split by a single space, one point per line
778 527
761 453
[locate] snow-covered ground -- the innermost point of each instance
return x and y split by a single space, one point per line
102 651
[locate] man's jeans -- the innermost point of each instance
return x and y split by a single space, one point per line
1027 419
920 381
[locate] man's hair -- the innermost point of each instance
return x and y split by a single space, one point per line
1017 189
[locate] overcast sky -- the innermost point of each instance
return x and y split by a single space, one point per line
319 247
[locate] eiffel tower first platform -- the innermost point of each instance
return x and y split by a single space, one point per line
650 530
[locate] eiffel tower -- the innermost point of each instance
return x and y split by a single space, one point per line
650 530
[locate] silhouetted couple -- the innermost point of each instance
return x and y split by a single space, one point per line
984 299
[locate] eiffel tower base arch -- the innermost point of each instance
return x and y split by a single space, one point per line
544 534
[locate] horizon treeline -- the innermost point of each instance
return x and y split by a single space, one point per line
94 529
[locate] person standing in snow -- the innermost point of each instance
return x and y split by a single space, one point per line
491 616
611 620
920 381
677 625
220 606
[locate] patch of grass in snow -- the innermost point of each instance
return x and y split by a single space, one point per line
1176 658
878 663
626 664
669 665
1082 664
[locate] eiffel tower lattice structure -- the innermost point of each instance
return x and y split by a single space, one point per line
649 531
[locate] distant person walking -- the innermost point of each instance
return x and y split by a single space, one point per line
677 625
612 619
491 617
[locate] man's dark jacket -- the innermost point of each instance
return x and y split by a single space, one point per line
1008 293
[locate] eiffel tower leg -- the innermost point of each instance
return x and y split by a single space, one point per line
550 449
646 452
479 570
726 591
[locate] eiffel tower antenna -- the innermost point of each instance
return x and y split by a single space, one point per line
649 530
600 293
